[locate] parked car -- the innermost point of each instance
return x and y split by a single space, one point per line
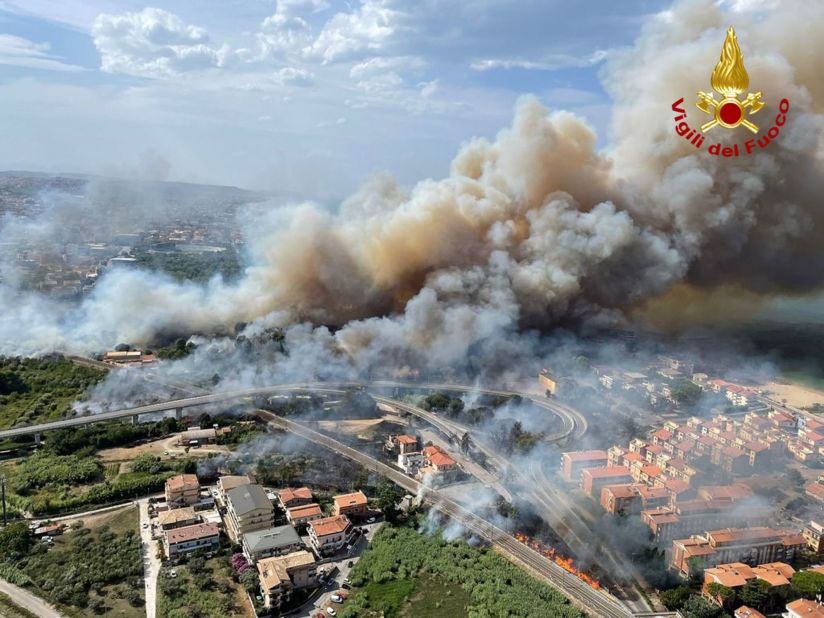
347 581
350 564
336 598
331 611
173 573
371 520
346 586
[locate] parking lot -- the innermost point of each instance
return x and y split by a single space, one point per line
335 584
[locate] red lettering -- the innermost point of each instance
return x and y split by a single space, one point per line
675 107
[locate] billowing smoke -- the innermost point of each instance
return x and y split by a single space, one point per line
532 229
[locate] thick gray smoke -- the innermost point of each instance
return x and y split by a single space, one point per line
531 229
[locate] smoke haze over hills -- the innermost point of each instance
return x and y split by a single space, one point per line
533 229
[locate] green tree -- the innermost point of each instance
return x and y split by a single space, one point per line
698 607
250 581
15 541
386 499
755 593
808 584
687 393
723 593
675 598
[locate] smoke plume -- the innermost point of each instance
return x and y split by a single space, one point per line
532 229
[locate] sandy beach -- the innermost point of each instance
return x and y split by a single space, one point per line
797 395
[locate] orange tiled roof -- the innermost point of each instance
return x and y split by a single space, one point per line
357 498
330 525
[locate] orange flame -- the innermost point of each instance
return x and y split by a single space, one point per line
565 563
729 77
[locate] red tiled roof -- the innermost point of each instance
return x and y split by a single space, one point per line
600 473
301 493
584 455
330 525
191 533
441 460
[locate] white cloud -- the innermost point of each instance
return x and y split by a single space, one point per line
291 76
550 64
351 35
301 7
17 51
153 43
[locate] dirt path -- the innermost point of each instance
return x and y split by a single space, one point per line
151 563
164 448
27 600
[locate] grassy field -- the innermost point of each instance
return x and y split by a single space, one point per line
206 591
9 610
436 598
405 574
37 390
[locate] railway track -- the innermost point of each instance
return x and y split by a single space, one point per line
598 602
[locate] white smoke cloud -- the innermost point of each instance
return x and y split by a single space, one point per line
530 229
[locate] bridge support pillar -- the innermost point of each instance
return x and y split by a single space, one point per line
178 413
37 438
134 419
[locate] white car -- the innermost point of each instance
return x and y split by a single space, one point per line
336 598
331 611
371 520
173 573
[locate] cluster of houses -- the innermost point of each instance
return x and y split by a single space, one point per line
285 560
666 481
429 461
774 576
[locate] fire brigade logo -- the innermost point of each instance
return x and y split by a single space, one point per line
730 79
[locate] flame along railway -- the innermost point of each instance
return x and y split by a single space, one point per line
558 570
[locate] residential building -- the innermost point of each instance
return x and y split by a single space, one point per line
182 490
248 509
575 462
814 533
302 515
354 504
689 517
620 499
748 612
756 545
407 444
329 534
276 541
279 576
225 483
736 575
177 518
191 538
411 462
594 479
292 497
802 608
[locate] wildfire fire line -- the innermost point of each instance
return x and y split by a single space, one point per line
562 561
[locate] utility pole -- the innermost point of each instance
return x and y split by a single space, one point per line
3 492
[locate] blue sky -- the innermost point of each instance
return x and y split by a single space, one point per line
305 96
